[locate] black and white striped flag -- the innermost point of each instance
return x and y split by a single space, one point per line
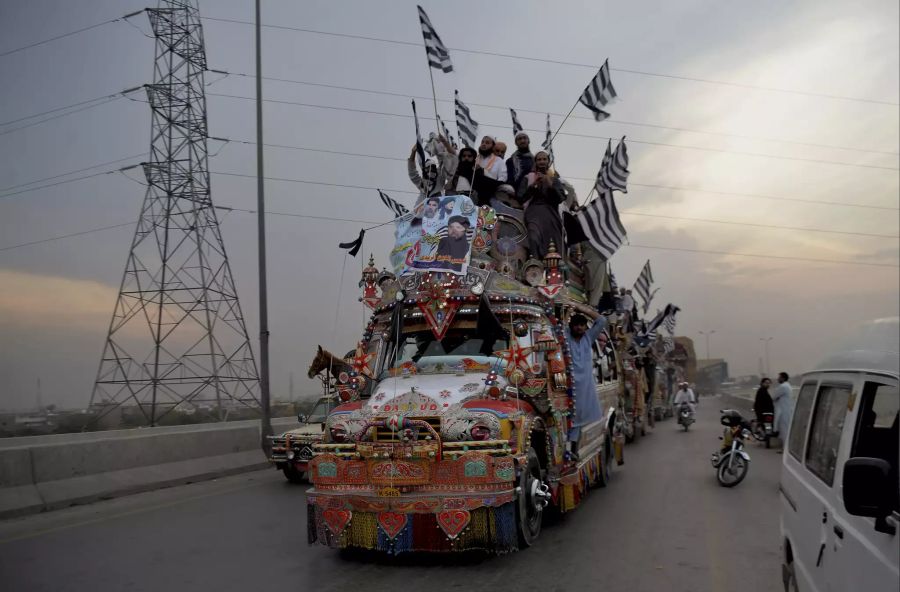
438 56
517 127
614 169
420 148
444 131
662 317
547 143
646 305
601 224
643 283
468 127
669 322
668 345
398 208
599 93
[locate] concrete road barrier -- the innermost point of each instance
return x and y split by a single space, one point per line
41 473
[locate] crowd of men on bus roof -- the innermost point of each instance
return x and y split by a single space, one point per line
526 181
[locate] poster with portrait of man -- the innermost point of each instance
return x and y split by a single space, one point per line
437 236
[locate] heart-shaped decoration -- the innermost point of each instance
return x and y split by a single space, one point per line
452 522
439 314
391 523
336 520
550 292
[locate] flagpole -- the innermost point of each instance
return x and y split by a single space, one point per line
564 120
590 193
437 125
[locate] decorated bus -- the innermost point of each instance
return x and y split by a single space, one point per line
452 427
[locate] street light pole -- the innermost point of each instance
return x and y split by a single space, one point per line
707 334
266 423
766 341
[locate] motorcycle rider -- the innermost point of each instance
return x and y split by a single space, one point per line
763 402
685 395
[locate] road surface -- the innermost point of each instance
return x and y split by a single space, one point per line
663 524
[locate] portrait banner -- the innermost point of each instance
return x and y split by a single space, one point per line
436 236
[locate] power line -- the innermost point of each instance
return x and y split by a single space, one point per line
60 237
611 120
133 156
78 104
64 35
348 186
45 186
765 226
309 216
762 196
572 134
566 63
85 102
591 179
371 188
780 257
67 113
225 208
673 249
337 152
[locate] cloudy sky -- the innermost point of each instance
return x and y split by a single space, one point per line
750 166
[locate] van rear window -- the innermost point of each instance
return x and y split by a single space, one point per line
797 436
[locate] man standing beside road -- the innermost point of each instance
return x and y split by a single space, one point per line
587 404
783 399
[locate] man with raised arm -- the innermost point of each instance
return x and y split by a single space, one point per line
587 405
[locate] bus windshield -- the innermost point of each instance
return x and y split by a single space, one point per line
416 346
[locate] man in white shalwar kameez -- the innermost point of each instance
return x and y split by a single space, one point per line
783 399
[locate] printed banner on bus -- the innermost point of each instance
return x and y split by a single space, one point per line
437 236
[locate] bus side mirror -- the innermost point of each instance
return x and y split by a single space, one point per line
868 490
301 418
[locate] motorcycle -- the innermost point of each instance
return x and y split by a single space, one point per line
763 432
732 462
685 416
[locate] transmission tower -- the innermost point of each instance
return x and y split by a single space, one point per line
177 338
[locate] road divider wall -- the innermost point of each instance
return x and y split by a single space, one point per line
41 473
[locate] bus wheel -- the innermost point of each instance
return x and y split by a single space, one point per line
533 497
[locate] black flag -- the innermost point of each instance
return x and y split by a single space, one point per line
354 246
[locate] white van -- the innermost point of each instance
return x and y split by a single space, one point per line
839 482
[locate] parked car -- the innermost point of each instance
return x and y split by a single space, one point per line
292 450
839 483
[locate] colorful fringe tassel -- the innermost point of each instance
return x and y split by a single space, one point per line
571 494
490 529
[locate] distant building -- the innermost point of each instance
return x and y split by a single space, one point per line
711 373
684 359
